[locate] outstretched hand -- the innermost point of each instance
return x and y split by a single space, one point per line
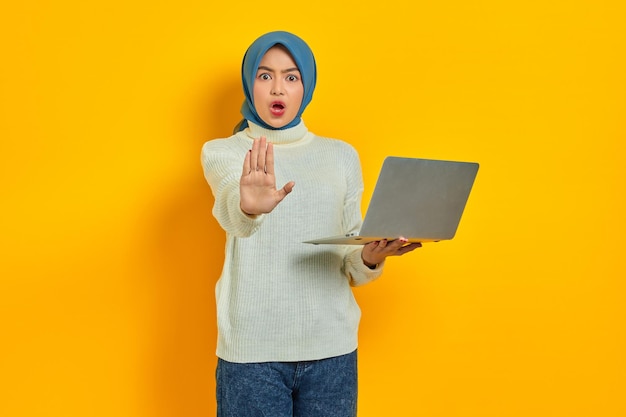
257 186
375 252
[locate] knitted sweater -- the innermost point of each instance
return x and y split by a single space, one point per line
279 299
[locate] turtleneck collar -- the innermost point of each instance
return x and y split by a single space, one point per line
277 137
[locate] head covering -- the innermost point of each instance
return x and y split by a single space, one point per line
301 54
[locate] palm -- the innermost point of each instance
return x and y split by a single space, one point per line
257 186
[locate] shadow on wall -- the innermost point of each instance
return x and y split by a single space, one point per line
187 256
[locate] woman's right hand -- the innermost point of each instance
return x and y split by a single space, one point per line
257 186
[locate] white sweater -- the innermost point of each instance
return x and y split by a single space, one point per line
279 299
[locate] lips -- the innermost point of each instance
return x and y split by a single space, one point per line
277 108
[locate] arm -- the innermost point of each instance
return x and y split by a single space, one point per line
364 264
221 162
241 194
354 267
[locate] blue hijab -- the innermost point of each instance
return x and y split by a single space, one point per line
301 54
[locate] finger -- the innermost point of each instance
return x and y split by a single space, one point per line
254 155
246 163
287 188
409 248
260 163
396 244
269 159
371 246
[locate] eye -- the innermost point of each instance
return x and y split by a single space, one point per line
264 76
292 78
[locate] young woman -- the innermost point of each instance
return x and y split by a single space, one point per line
287 318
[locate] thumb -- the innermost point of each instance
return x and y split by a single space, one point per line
287 189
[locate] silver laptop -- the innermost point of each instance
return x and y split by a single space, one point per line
420 199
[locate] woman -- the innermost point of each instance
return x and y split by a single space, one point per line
287 318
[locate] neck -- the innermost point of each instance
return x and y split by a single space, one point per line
284 136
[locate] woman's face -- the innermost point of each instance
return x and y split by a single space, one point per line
278 88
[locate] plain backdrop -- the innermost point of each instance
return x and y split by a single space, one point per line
109 253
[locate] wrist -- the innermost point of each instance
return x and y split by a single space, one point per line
369 264
252 216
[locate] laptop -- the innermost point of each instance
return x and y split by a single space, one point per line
420 199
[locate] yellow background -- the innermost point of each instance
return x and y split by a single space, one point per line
109 253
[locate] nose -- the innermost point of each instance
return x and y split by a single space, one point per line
277 87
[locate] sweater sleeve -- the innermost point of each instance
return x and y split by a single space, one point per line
354 268
222 169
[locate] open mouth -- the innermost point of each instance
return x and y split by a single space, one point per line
278 108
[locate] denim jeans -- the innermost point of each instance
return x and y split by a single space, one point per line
321 388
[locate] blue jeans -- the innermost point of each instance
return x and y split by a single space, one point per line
322 388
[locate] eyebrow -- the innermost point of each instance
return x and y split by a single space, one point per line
262 67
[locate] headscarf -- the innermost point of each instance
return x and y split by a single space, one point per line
301 54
